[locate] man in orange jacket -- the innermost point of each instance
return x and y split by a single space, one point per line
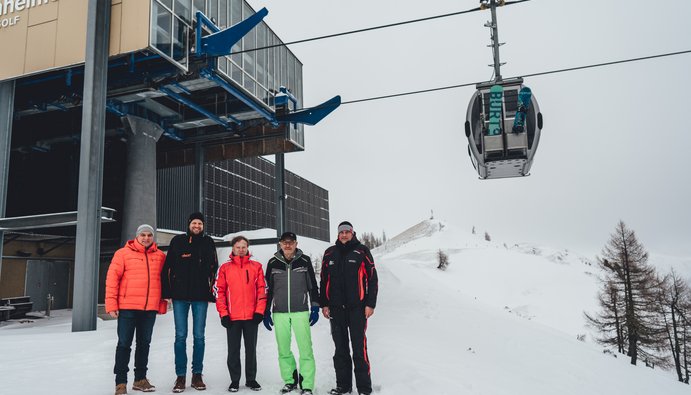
241 301
133 296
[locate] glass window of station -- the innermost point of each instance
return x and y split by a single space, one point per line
259 73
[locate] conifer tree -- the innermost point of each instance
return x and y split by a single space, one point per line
370 240
630 282
609 322
674 301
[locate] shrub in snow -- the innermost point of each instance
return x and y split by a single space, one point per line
443 260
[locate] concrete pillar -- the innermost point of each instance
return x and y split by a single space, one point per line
6 115
140 181
88 246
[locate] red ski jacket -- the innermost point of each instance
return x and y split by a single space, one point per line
240 289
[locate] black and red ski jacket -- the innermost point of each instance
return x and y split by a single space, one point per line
189 272
348 276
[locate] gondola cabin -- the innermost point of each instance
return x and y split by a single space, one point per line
497 148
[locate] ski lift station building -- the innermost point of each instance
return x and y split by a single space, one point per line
115 113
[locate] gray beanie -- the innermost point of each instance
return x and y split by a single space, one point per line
345 226
145 228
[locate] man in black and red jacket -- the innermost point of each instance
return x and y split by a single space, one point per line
348 296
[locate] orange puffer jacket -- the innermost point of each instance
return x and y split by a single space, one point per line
240 288
134 278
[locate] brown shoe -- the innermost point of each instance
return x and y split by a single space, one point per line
197 382
179 384
143 385
121 389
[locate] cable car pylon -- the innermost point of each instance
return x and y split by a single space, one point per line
503 120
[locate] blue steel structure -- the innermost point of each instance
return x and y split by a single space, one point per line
220 42
191 83
214 78
211 101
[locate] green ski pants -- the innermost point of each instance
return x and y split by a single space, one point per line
299 322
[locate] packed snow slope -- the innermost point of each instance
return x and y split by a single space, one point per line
544 284
501 320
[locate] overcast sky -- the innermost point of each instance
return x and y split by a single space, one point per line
614 146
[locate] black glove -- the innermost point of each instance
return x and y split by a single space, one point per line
257 318
225 321
268 322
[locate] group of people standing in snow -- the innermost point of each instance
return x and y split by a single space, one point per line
285 297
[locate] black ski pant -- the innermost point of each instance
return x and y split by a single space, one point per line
345 321
248 330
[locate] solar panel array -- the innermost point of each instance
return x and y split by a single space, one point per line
240 195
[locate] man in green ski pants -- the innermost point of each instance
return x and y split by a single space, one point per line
290 285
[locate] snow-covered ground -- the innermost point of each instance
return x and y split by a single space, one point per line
502 319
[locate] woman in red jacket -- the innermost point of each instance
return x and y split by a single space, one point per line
241 301
133 296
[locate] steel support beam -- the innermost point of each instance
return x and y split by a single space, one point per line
495 41
199 177
6 112
51 220
240 95
87 250
280 195
196 107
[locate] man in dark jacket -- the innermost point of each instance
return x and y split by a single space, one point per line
293 296
187 278
348 296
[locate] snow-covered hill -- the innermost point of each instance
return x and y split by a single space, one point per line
547 285
500 320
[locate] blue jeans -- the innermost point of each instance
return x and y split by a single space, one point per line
130 321
181 309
